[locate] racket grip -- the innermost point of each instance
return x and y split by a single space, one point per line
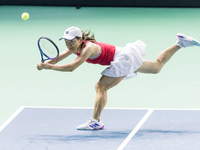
42 61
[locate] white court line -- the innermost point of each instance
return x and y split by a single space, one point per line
22 107
11 118
134 131
111 108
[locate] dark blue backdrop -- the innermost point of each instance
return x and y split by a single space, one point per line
105 3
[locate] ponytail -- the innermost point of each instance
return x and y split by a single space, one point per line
87 37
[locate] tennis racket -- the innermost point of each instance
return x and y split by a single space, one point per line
48 49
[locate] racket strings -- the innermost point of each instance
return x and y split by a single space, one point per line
48 48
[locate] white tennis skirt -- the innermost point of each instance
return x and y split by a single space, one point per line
126 60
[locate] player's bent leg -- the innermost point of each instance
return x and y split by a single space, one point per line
102 86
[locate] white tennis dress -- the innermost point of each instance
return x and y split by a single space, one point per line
126 60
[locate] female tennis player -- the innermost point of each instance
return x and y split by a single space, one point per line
123 62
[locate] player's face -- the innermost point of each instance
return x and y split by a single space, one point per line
74 44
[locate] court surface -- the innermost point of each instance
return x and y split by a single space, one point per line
32 128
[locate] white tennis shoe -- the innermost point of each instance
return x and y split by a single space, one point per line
186 41
91 124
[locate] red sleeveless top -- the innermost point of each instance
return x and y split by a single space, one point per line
106 55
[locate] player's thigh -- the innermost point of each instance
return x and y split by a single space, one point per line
107 82
149 66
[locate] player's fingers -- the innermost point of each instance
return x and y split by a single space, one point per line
39 66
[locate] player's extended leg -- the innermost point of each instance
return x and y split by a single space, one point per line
155 66
149 66
102 86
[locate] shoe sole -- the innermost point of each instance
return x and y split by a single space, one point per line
92 129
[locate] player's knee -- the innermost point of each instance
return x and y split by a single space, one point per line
99 88
157 70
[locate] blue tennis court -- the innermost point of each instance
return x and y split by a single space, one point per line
31 128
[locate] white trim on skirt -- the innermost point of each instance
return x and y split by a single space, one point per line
126 60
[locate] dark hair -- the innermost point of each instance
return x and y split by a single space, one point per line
87 37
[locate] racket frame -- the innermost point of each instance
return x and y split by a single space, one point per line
43 54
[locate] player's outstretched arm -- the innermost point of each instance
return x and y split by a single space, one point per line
61 56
